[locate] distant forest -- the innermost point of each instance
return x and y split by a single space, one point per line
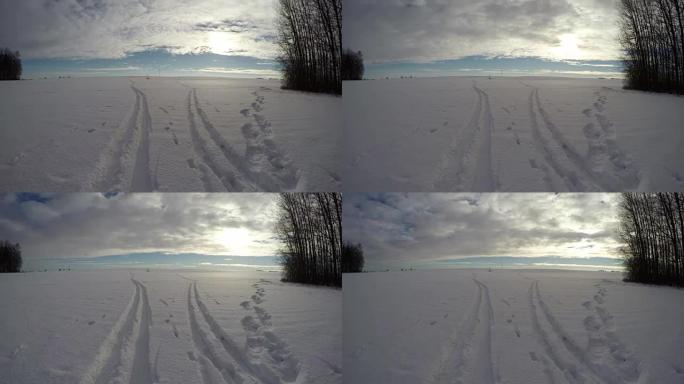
10 65
310 39
652 36
652 230
310 228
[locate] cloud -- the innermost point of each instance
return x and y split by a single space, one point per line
422 227
114 28
427 30
77 225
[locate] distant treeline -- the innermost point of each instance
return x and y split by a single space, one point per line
652 229
352 65
310 39
652 35
10 257
10 65
310 227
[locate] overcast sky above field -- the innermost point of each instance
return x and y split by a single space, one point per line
406 229
99 36
83 225
424 31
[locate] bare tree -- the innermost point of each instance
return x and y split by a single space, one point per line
310 228
10 65
10 257
352 65
652 36
310 39
652 232
352 258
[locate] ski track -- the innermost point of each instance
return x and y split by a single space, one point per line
214 368
142 179
453 169
485 179
209 168
590 180
552 152
603 361
241 178
470 355
124 356
111 168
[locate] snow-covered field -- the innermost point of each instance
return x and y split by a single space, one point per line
167 327
167 134
510 134
510 326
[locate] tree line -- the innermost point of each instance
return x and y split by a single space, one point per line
310 40
309 226
652 36
10 65
652 232
10 257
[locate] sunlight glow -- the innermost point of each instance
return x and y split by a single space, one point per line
221 43
236 240
567 48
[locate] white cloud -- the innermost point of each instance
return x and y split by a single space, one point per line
113 28
396 30
422 227
76 225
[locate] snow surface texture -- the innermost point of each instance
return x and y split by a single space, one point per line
510 134
167 327
510 326
167 134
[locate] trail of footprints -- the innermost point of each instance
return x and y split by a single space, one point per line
264 359
126 163
605 359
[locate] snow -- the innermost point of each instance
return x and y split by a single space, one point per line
510 326
166 134
167 327
510 134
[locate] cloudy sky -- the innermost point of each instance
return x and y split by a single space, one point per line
86 225
105 35
406 229
448 31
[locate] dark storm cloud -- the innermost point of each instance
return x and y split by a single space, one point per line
415 227
423 30
75 225
115 28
